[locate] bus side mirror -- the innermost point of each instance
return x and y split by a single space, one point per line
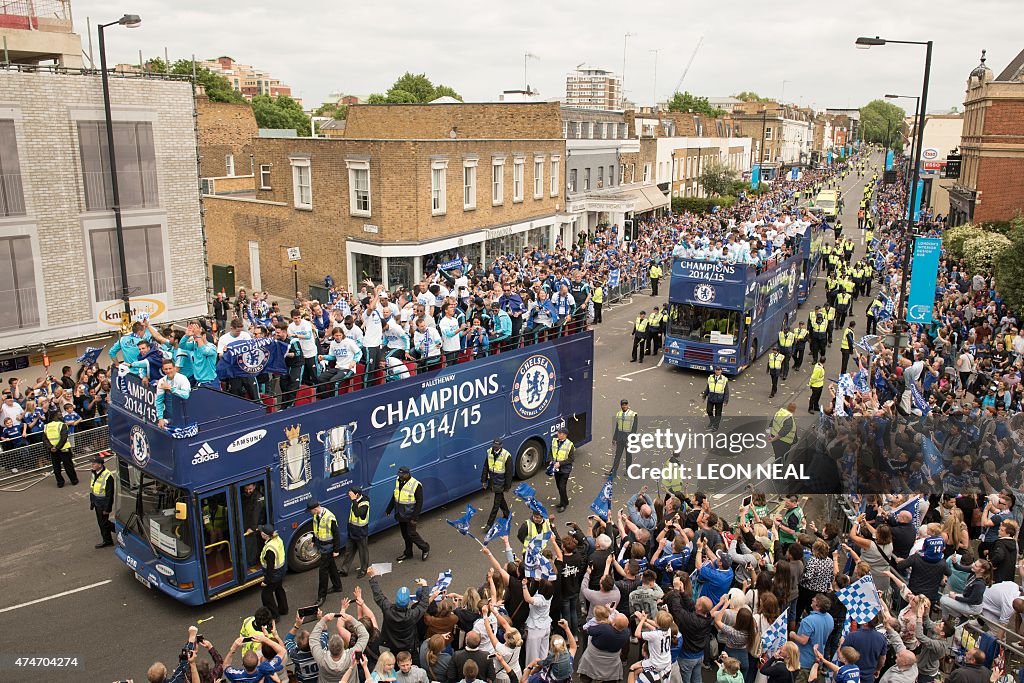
181 511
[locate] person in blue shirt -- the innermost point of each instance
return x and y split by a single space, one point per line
502 330
70 417
476 339
149 362
671 557
128 344
296 642
13 435
716 576
202 355
813 632
846 671
253 670
871 646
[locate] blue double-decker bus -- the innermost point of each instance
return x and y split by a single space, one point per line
727 314
810 248
189 497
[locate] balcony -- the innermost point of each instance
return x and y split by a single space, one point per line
12 199
137 189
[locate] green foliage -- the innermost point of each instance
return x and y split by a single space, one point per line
217 87
953 239
699 205
684 101
280 112
981 252
750 96
717 178
1010 267
411 89
332 109
883 123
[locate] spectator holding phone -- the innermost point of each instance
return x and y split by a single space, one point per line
203 671
296 642
253 670
336 658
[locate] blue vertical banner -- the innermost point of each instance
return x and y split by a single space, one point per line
917 200
755 176
794 173
924 270
889 158
830 157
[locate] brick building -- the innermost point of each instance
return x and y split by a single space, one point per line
246 79
591 88
406 187
58 255
992 146
225 131
782 134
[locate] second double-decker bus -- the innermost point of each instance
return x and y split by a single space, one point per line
727 314
810 249
190 497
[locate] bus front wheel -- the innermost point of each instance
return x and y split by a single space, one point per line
303 554
530 459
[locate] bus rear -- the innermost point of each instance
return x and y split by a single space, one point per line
810 250
187 508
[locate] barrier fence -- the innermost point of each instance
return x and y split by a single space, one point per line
33 459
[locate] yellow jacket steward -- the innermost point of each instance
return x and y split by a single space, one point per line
775 361
717 390
784 426
817 377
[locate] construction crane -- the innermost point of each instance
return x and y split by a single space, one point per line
688 65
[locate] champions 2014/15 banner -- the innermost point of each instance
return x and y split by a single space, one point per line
924 270
251 357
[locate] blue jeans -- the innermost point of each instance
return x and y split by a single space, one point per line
690 669
744 659
571 612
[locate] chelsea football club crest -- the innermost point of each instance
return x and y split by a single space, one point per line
534 386
253 361
139 445
705 293
792 280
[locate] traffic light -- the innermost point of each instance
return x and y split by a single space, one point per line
627 230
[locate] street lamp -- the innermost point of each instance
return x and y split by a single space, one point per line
865 43
128 21
917 106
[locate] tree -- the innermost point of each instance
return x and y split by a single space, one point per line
684 101
717 178
750 96
217 87
280 112
953 239
413 88
981 253
1010 267
332 109
883 123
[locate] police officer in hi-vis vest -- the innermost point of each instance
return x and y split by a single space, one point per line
640 336
497 478
782 432
407 503
563 453
358 532
274 562
626 423
328 542
101 499
717 394
775 360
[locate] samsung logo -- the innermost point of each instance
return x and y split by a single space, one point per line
246 440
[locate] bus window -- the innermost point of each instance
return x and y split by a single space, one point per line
146 506
253 509
696 323
215 517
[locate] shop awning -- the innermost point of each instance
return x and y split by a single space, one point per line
648 198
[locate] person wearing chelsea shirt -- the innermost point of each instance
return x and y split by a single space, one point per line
203 354
128 345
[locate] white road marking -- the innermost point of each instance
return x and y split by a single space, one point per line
54 597
637 372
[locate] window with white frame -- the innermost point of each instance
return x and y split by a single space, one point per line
136 165
556 167
600 177
572 180
768 133
469 184
229 164
538 177
438 187
19 307
358 187
647 172
586 180
497 182
517 179
264 176
302 184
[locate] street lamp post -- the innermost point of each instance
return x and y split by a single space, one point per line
917 114
865 42
128 21
622 81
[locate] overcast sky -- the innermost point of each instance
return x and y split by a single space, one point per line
324 46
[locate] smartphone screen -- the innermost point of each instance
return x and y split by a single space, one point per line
748 500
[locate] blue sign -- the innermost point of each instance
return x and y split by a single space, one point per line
794 173
830 157
917 200
755 176
453 264
889 157
924 270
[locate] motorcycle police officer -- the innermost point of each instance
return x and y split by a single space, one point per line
358 530
328 542
101 499
274 562
498 479
407 503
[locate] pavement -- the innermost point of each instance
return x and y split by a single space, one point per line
63 598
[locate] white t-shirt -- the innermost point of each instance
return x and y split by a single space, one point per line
997 605
540 613
226 339
345 353
397 370
306 334
373 329
659 649
355 333
13 411
428 342
450 338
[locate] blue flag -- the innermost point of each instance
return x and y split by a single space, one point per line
500 528
919 401
932 457
91 355
444 579
251 357
527 494
602 503
913 506
613 277
463 522
535 565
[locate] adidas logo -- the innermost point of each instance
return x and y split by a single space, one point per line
205 454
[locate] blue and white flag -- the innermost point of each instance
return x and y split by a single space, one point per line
463 522
932 456
861 600
613 277
844 388
535 565
867 344
251 357
444 579
528 495
913 506
500 528
860 381
776 635
603 502
91 355
919 401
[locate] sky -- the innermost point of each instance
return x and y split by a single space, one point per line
801 50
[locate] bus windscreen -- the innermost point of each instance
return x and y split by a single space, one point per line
696 323
147 506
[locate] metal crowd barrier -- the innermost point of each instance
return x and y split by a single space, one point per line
33 461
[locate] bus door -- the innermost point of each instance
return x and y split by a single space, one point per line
230 517
744 347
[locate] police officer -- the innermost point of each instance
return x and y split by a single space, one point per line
639 336
597 298
816 382
801 335
101 499
358 531
56 436
563 453
782 432
774 369
654 332
407 503
842 306
626 423
655 273
847 346
328 542
273 560
498 479
819 335
717 395
872 314
830 318
786 340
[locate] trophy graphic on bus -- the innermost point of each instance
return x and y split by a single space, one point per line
337 443
294 459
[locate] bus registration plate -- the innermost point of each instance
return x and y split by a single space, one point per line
143 580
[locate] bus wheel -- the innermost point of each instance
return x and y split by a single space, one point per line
530 459
303 554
